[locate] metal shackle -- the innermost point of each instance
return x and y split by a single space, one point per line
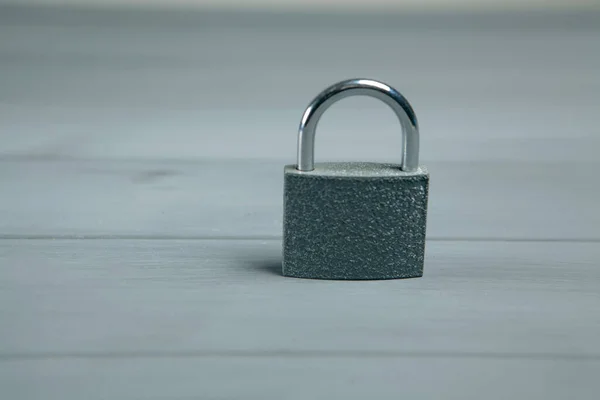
356 87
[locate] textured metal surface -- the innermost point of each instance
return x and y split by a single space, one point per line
354 221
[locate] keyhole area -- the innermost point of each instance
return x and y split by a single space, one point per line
359 128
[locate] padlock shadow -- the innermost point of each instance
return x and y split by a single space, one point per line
270 266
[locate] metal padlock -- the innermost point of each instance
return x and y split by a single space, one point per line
355 220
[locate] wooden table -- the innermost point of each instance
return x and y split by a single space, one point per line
141 165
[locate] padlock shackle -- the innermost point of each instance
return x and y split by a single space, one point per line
359 87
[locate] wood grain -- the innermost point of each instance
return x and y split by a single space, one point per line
121 296
288 378
244 198
168 85
214 319
141 158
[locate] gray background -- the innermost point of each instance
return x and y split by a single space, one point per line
141 166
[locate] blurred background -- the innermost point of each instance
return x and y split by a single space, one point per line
172 120
91 89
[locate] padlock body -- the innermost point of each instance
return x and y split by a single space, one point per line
354 221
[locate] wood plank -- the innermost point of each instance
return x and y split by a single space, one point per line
244 198
287 378
355 129
311 6
155 298
163 135
194 85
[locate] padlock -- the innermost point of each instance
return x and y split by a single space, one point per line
355 220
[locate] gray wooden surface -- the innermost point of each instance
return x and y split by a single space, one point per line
141 158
